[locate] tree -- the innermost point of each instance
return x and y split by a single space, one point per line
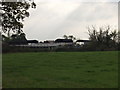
13 14
65 37
69 37
18 39
103 39
118 40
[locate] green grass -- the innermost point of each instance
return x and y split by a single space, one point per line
61 70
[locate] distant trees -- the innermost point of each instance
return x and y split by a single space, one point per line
118 40
15 39
103 39
69 37
13 14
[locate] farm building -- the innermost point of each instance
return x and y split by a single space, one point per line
47 44
52 43
82 41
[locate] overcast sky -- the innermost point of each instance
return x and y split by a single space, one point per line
53 19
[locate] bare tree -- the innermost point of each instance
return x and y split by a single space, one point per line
103 38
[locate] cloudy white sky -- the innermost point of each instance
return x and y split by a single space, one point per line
53 19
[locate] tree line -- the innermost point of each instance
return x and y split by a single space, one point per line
104 38
101 39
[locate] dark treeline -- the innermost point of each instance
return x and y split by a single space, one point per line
103 39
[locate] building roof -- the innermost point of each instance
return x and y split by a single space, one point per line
83 41
32 41
64 40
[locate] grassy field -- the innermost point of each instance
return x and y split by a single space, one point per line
61 70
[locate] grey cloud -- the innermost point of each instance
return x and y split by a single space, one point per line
90 13
48 24
93 11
